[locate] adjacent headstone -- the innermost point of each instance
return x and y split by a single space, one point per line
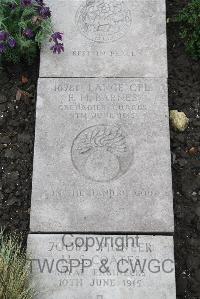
108 38
102 156
102 266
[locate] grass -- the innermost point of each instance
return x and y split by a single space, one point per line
14 269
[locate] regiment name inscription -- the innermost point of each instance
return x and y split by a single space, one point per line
94 163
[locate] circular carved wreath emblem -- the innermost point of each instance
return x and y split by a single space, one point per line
101 153
103 20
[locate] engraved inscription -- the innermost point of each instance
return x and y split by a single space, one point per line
101 153
103 20
102 265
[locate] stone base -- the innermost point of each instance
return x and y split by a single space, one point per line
102 266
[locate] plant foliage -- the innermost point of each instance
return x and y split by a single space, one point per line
24 25
189 19
14 269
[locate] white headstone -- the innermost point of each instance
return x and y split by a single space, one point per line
102 266
102 156
108 38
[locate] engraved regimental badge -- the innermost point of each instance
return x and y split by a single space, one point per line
103 20
102 153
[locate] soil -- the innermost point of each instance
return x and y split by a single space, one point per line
184 95
17 126
17 123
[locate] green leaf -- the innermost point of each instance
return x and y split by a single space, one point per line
189 19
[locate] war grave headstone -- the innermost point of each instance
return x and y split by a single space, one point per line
102 156
108 38
103 266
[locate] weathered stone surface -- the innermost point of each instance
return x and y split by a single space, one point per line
102 266
108 38
102 156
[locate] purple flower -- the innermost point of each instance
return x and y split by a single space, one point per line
3 35
57 48
40 2
28 33
2 48
26 2
11 42
45 12
56 36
